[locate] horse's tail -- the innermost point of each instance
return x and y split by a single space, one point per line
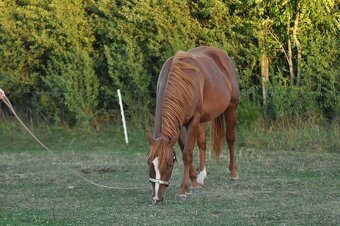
217 135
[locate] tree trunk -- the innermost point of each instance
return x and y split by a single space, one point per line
297 44
290 62
264 64
290 55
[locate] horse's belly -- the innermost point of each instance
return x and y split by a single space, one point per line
213 107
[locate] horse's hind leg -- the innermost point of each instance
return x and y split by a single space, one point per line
231 118
201 143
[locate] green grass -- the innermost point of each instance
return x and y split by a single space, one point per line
278 184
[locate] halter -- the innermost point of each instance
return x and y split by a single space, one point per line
157 181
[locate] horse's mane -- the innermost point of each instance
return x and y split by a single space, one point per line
178 94
177 101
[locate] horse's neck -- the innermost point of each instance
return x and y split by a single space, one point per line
161 83
158 122
160 130
173 135
170 128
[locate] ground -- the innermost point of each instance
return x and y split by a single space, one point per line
276 187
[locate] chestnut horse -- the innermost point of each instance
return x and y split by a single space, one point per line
193 87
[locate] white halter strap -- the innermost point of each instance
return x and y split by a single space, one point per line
158 181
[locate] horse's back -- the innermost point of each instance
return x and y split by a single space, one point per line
222 65
216 77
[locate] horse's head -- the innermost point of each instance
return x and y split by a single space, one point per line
161 163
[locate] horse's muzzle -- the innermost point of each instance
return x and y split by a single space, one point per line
157 201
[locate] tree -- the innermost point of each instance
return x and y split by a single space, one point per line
142 35
46 48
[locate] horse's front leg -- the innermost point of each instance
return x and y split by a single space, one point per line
192 172
188 156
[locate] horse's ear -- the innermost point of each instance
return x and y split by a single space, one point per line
150 139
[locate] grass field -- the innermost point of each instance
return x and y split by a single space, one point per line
297 184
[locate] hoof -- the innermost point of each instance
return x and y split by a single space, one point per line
234 180
195 190
181 197
201 184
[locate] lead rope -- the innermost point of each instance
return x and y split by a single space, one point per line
9 105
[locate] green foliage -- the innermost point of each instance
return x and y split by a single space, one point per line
64 60
289 102
321 73
249 112
46 49
142 36
73 83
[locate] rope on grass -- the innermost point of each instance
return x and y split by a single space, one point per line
9 105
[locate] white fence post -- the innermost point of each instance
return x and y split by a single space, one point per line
123 116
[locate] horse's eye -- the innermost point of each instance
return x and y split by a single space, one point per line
174 158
